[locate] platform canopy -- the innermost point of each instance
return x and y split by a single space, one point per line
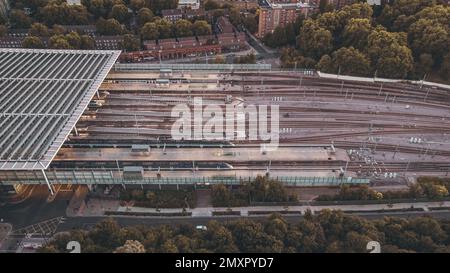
43 93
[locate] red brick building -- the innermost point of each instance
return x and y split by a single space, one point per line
188 47
172 15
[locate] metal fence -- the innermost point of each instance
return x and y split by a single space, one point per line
110 178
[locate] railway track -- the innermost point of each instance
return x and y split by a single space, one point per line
354 166
347 123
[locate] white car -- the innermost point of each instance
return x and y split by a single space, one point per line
32 245
201 228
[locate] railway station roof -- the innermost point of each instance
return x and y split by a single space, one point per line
43 93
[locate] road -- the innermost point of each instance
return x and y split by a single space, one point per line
265 55
35 209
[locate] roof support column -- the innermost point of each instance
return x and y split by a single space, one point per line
50 188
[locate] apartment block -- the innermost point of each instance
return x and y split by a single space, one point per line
280 13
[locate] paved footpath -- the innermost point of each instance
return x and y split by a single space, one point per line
96 210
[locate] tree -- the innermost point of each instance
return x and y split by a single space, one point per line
74 40
354 11
87 42
169 247
312 237
182 28
436 191
403 22
351 62
184 244
426 226
130 233
250 237
150 31
325 6
109 27
120 13
439 14
326 65
157 5
282 36
131 246
63 14
247 59
389 55
356 33
445 67
401 7
164 28
415 191
32 42
38 29
144 16
58 42
216 14
3 30
219 239
3 19
291 58
211 5
106 234
221 196
277 227
396 63
235 17
18 19
97 8
250 23
355 242
131 43
201 27
424 65
330 21
136 5
291 33
332 224
276 39
262 189
427 36
313 40
58 30
326 231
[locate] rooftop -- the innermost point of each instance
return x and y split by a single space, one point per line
43 93
169 12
